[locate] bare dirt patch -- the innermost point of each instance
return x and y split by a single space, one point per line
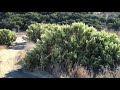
11 64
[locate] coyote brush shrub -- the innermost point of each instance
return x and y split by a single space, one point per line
7 36
35 31
76 43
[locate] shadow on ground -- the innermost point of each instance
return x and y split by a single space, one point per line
22 73
18 46
19 74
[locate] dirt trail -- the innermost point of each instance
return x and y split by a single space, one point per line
7 59
8 63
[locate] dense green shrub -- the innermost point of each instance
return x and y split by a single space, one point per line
7 36
76 43
9 20
35 31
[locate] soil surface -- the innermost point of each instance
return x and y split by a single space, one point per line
9 66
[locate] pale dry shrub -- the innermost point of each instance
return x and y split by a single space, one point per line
77 72
108 73
81 72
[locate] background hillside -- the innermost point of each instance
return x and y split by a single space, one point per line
21 20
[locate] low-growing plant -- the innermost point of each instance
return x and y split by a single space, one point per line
35 31
7 37
76 43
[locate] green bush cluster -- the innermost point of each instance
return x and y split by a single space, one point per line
76 43
35 31
21 20
7 37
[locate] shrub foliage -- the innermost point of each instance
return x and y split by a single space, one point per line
70 44
7 36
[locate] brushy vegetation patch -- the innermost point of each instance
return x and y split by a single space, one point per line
67 45
35 31
7 37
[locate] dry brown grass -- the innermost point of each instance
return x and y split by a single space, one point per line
81 72
76 72
3 47
19 58
107 73
22 54
29 46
